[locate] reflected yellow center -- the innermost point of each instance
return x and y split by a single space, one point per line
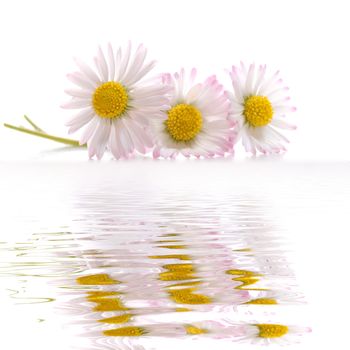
246 281
97 280
125 332
257 111
177 272
108 304
184 122
241 272
171 256
117 319
192 330
110 100
271 330
172 246
186 296
262 301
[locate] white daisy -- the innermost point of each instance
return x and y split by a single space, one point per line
197 122
272 333
115 105
259 104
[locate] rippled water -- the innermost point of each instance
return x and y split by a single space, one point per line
153 254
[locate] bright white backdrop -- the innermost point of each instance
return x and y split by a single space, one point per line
306 40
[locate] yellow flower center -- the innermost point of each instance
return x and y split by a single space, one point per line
117 319
182 309
97 280
184 122
193 330
110 100
177 272
125 332
241 272
258 110
271 330
172 246
185 296
107 304
262 301
171 256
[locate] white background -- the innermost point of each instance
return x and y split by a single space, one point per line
306 40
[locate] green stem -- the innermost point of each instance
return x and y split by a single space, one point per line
63 140
33 124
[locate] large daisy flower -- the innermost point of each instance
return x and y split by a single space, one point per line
196 122
115 105
259 104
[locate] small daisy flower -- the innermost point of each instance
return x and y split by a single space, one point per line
271 333
196 124
259 104
115 105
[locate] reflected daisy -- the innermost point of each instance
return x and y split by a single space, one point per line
115 103
196 123
272 333
259 104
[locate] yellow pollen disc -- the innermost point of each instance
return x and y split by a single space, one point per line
180 267
107 304
97 280
258 110
125 332
110 100
182 309
117 319
96 296
171 256
271 330
262 301
242 250
169 241
241 272
175 276
195 330
186 284
185 296
246 281
172 246
184 122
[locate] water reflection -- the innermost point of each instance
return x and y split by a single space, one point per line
133 265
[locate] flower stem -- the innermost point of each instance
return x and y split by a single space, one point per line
40 133
33 124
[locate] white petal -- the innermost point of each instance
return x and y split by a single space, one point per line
279 123
111 62
125 138
135 136
80 120
101 65
76 103
249 81
80 80
136 64
83 93
145 70
90 74
89 130
125 62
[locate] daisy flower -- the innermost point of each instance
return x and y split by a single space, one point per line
115 106
197 121
271 333
259 104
